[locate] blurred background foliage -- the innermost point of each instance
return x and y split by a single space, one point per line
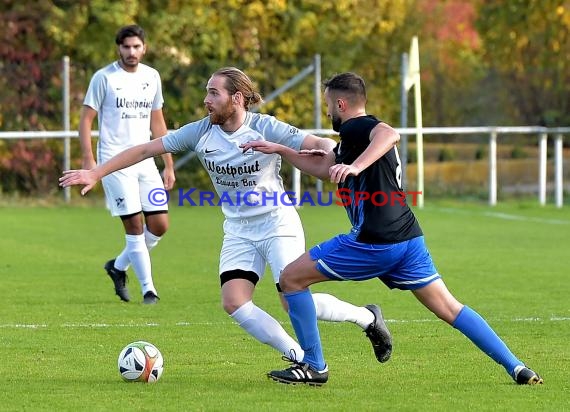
483 62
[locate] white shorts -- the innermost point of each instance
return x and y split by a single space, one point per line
275 239
134 189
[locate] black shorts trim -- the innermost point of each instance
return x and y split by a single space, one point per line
239 274
125 217
154 212
149 213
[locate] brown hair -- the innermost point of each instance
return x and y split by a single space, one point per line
349 84
237 81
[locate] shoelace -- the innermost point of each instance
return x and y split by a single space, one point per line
292 358
299 369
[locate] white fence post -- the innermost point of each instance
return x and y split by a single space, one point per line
558 164
318 105
66 127
542 169
493 168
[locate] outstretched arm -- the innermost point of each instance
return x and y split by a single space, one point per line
382 139
315 162
321 143
127 158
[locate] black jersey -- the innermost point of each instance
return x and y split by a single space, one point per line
374 200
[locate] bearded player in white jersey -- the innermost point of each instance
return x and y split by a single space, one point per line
259 232
126 95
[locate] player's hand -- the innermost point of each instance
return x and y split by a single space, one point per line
78 177
168 178
313 152
339 172
262 146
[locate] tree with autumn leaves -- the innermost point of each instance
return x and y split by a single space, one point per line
526 44
482 61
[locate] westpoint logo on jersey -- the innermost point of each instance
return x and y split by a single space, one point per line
340 197
133 104
233 171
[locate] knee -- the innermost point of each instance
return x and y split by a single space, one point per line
157 224
230 305
160 233
289 282
450 312
437 298
284 281
159 229
231 302
454 312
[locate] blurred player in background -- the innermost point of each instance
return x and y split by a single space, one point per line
126 96
386 241
257 232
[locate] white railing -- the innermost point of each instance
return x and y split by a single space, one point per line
558 134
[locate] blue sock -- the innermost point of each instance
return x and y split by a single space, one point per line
304 319
472 325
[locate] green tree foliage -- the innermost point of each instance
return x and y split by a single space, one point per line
271 40
527 43
187 40
450 60
482 61
524 74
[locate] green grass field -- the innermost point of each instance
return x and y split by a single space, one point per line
62 328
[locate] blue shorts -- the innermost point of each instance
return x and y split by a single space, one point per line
406 265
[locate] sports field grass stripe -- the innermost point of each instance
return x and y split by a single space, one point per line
504 216
153 325
526 218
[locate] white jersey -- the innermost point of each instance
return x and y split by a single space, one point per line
124 102
248 184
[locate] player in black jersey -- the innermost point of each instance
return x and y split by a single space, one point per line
385 242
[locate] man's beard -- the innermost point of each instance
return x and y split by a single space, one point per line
224 114
336 122
126 63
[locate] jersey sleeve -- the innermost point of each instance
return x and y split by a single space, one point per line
96 91
277 131
158 101
187 137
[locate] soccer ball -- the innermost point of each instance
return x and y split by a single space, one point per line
140 362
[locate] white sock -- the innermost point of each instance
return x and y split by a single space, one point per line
140 259
332 309
266 329
150 239
122 261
